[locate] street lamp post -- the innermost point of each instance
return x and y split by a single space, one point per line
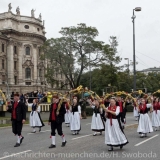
90 74
127 64
134 59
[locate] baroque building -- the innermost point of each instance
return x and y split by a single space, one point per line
21 69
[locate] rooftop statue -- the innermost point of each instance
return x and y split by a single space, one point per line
18 10
9 7
32 13
40 16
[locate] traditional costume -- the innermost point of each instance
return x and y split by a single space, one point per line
114 135
97 123
67 115
135 112
35 118
84 102
156 115
145 125
18 114
56 118
122 113
75 123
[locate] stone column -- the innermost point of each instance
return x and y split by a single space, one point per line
10 63
20 69
35 72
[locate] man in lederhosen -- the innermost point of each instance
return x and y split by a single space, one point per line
18 117
56 118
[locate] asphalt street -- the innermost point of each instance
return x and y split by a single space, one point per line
82 146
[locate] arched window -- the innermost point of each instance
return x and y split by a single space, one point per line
28 73
27 51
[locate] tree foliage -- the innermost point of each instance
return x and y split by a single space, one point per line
76 50
121 80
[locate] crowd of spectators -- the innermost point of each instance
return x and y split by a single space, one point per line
32 95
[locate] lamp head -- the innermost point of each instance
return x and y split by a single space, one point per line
138 9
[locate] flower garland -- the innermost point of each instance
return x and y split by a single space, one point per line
139 94
157 93
4 98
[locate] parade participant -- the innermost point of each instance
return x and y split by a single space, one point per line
68 113
107 102
75 123
18 118
122 111
56 118
35 118
135 111
156 114
145 125
114 135
97 124
84 102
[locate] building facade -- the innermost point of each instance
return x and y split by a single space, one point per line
21 37
150 70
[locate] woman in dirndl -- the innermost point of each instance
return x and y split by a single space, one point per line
67 115
135 111
97 124
75 121
35 118
114 135
144 125
156 114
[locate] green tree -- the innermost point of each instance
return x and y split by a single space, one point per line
101 77
106 73
76 50
152 82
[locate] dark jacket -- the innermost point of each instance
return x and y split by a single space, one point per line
60 117
20 111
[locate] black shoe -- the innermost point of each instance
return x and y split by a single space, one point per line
52 146
63 144
121 146
110 149
21 140
39 129
17 145
33 132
